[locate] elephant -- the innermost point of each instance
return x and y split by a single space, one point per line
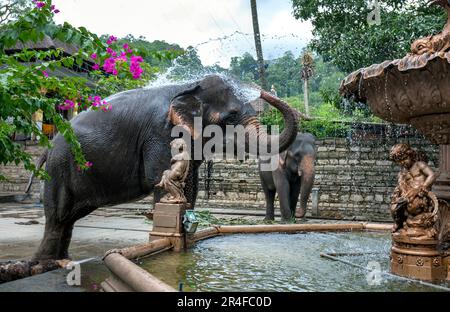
294 176
129 147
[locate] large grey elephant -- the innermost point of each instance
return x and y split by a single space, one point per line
129 147
294 176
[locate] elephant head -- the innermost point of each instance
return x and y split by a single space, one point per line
298 161
216 100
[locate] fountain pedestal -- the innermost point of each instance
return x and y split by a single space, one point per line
442 185
419 259
168 223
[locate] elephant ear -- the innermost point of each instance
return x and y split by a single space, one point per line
184 107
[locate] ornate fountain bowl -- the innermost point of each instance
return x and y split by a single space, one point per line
413 90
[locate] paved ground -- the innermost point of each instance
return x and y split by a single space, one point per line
22 227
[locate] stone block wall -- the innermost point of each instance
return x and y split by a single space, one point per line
354 179
17 176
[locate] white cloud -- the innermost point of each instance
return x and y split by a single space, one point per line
190 22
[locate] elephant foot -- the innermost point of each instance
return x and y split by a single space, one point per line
269 218
300 213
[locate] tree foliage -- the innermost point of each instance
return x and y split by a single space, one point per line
26 86
343 36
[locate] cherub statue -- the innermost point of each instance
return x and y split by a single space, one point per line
414 207
172 180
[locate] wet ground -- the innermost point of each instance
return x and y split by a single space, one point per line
22 227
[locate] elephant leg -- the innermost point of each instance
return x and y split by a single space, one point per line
307 182
270 209
293 196
283 190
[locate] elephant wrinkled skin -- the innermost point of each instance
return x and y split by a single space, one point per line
129 147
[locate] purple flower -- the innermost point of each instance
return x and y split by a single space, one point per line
68 104
56 11
96 67
88 164
109 50
40 4
93 56
110 65
126 46
111 40
45 74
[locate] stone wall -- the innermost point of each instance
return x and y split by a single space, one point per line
354 179
17 176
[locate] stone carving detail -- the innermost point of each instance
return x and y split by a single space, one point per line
400 259
435 43
414 207
173 179
436 262
420 262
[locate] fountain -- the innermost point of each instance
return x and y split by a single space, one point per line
416 90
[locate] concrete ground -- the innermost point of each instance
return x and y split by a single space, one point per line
22 227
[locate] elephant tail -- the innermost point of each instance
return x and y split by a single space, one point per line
39 165
307 181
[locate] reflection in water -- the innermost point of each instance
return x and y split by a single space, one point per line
278 262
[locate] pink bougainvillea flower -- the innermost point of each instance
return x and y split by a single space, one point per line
68 104
115 72
40 4
45 74
96 67
129 51
93 56
126 46
56 11
52 7
88 164
136 58
109 51
110 65
111 40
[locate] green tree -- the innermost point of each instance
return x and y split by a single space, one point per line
245 68
26 87
284 73
12 9
344 37
188 65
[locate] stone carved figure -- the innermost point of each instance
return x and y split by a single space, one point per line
414 207
434 43
173 180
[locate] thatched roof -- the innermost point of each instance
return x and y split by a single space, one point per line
43 45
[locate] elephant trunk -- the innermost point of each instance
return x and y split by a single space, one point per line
307 175
254 131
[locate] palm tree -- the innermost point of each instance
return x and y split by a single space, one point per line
257 36
307 72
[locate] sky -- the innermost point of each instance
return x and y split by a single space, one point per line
216 28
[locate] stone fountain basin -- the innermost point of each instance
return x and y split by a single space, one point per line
413 90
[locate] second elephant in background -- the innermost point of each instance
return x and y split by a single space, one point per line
293 178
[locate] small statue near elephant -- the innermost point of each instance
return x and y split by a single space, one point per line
293 178
129 148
